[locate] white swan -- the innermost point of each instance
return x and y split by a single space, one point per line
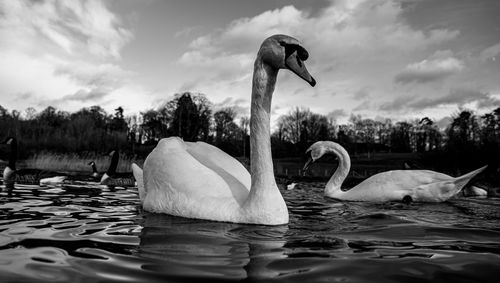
396 185
197 180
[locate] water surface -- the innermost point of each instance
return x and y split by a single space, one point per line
93 234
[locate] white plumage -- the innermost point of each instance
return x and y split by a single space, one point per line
396 185
197 180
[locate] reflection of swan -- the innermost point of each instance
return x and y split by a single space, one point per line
197 180
396 185
201 250
28 176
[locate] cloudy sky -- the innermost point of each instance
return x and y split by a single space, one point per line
399 59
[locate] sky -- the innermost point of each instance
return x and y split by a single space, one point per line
397 59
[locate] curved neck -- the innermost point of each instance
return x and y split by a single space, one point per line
113 165
333 187
261 162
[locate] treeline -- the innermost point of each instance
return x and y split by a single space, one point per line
87 130
468 141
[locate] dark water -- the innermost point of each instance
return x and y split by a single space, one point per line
94 234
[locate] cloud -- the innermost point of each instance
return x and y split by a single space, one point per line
456 96
444 122
85 95
64 54
337 113
93 75
362 93
438 67
82 95
362 106
340 29
351 43
72 26
239 105
398 103
490 53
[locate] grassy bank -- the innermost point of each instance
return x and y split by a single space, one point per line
75 162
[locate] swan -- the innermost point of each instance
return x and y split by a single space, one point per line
112 178
28 176
198 180
395 185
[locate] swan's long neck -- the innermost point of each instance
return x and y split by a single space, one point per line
333 187
261 162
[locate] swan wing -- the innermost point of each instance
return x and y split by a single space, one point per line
235 174
443 190
393 185
171 173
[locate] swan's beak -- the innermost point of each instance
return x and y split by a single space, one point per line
296 65
306 166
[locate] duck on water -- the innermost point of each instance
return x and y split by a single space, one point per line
27 176
113 178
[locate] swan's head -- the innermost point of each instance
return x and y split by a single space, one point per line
91 163
285 52
111 153
320 148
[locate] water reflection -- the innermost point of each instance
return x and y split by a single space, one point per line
206 249
92 233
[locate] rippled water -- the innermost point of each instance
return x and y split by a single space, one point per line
94 234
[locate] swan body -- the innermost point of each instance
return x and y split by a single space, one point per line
395 185
27 176
467 191
198 180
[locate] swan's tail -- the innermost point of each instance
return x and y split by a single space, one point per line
137 171
461 181
444 190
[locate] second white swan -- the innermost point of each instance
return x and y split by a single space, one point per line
395 185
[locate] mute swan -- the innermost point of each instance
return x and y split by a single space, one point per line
396 185
198 180
112 178
27 176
